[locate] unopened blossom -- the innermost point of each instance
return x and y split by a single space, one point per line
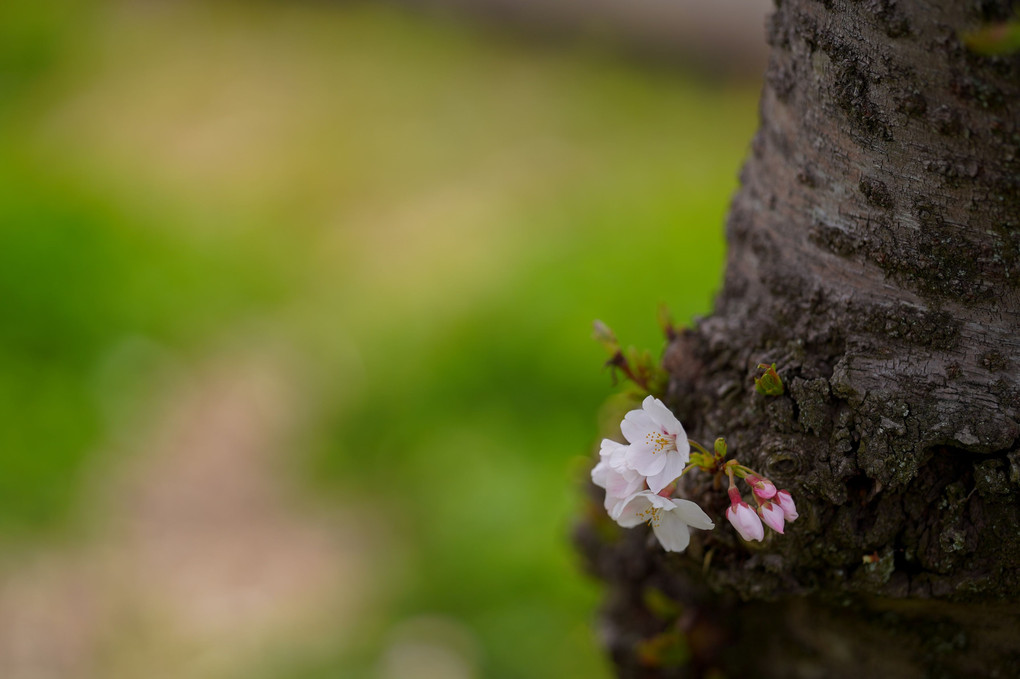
611 473
763 488
658 443
785 502
772 515
746 521
671 519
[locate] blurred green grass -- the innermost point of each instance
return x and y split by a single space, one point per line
431 214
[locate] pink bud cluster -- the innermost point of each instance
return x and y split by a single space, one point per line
774 508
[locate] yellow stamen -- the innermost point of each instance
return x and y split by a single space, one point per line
651 516
660 441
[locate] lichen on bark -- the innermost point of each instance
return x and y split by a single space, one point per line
873 255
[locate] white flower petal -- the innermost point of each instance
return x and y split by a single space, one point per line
683 446
692 514
622 485
673 533
671 471
657 500
636 425
600 474
615 454
662 415
618 483
629 512
610 448
612 504
645 460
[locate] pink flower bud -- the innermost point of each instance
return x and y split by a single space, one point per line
772 515
785 502
763 488
745 521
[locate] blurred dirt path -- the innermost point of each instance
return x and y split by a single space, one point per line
202 562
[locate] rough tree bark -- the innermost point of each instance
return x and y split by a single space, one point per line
874 255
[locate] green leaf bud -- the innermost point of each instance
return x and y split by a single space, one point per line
769 383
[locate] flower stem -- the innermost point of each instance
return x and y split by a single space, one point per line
700 447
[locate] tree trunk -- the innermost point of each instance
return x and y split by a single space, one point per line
874 256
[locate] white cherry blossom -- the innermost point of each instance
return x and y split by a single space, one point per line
671 519
659 449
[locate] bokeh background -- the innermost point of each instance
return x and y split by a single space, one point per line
296 377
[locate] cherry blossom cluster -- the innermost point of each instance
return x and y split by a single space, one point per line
640 477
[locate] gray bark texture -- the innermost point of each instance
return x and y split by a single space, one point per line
874 256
